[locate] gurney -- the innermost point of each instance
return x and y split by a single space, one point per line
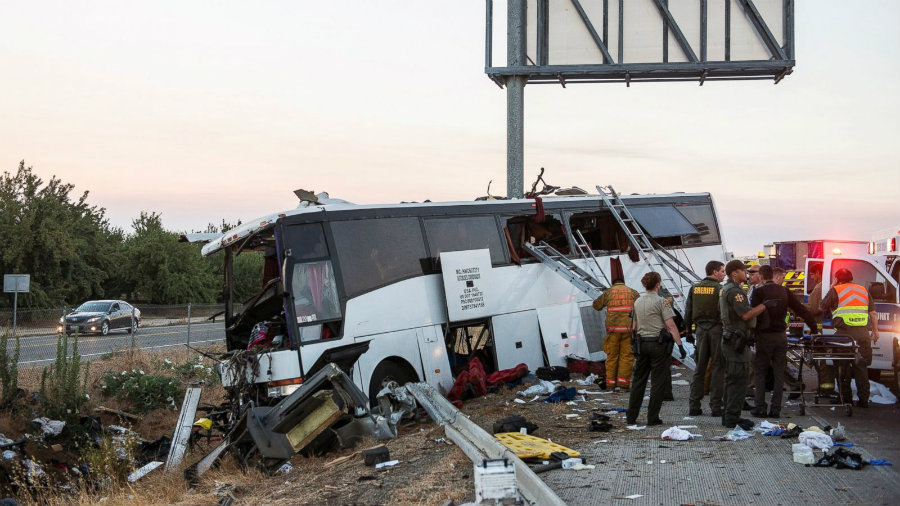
817 349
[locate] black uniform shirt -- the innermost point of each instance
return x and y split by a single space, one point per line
776 315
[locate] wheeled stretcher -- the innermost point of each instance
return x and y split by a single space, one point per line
815 350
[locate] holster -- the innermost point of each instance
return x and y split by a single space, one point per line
635 344
737 339
666 339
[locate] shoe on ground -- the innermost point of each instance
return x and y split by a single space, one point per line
695 412
630 422
774 413
651 423
758 413
716 413
862 403
745 424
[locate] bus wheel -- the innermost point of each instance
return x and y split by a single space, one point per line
390 371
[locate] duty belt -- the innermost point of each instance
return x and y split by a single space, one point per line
649 339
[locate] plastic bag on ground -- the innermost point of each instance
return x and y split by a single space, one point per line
676 434
735 434
49 427
590 380
878 393
816 440
541 387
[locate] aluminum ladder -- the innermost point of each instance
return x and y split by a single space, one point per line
677 277
587 254
575 275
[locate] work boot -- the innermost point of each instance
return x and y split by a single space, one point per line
695 412
716 413
862 403
758 413
651 423
745 424
774 412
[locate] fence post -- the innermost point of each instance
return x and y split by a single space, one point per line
188 347
133 329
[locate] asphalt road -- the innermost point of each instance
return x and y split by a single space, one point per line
42 348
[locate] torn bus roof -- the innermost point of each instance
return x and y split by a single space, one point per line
238 234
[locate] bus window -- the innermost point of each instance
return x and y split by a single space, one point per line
314 292
601 231
377 252
464 233
524 229
704 220
880 288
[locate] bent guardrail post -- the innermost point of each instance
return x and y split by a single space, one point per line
477 444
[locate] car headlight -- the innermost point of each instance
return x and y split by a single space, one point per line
94 319
62 320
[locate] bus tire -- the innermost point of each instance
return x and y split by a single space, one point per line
391 369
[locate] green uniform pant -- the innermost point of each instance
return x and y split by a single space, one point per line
737 376
709 356
858 370
653 363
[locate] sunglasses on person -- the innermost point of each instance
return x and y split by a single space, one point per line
753 272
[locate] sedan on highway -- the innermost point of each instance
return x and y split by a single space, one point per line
99 317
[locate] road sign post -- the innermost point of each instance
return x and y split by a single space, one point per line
15 283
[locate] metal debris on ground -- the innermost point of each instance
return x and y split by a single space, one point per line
327 409
143 471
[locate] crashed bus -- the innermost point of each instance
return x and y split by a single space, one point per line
413 291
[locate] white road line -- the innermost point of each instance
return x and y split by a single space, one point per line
116 351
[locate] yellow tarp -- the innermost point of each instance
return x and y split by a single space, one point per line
530 447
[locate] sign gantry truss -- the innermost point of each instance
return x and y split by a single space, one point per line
651 40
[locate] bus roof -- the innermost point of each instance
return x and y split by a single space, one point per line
257 225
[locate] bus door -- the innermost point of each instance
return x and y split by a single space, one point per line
313 312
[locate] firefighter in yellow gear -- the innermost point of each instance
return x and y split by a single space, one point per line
618 301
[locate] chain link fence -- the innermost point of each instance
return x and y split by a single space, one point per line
159 328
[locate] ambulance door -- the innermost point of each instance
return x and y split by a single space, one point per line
884 291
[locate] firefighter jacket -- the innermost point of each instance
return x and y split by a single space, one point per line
619 303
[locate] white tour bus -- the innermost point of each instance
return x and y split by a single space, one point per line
413 291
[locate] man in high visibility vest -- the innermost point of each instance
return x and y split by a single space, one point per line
852 309
619 303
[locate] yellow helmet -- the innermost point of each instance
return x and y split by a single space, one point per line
205 423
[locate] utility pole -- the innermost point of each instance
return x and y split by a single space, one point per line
515 98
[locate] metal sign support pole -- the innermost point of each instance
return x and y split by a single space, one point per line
515 99
15 308
188 348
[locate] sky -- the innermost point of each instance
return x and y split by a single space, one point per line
204 111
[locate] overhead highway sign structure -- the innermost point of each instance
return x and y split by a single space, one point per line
598 41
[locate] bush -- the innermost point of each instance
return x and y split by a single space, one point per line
63 387
9 372
145 392
194 370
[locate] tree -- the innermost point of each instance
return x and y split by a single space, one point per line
65 244
163 270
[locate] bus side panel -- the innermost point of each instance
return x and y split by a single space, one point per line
403 344
410 303
562 333
517 340
275 366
